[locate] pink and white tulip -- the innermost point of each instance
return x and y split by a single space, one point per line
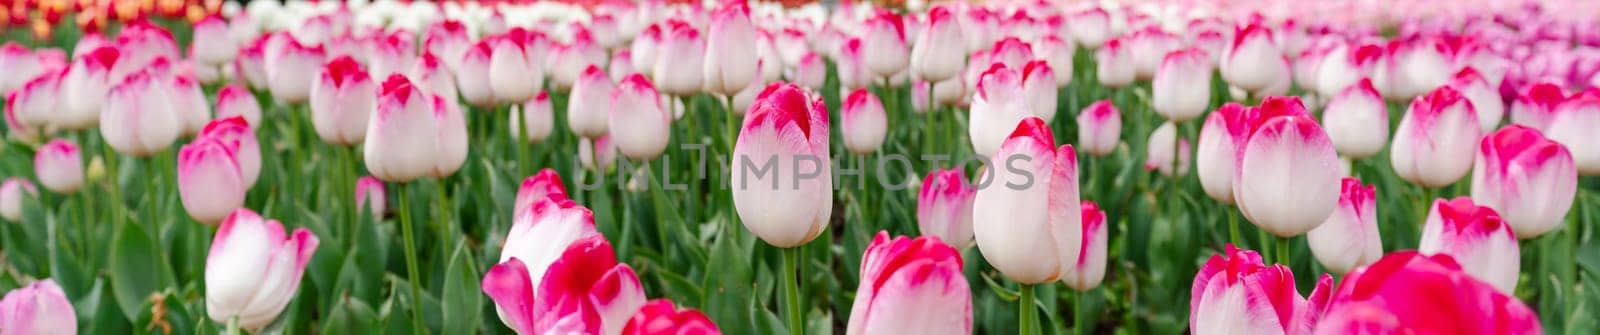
660 317
1433 146
851 65
1091 27
1485 99
1150 46
1253 60
1574 125
342 99
810 72
645 125
59 166
38 308
1085 271
472 73
291 68
1357 119
944 207
1011 51
682 44
189 102
597 153
939 52
434 76
1114 64
1349 238
235 100
911 285
401 144
863 122
1226 130
1159 155
12 191
1039 84
21 64
998 105
370 196
1346 64
1031 208
1534 105
514 66
539 234
139 119
1287 181
1058 53
536 116
1236 293
569 60
731 62
34 107
254 268
1407 292
235 133
1529 179
584 291
209 180
590 103
885 45
786 126
1476 237
1181 90
544 184
1099 128
86 86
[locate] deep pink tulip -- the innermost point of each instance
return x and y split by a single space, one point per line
1409 293
911 285
661 317
585 291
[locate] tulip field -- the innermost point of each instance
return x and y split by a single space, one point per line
800 167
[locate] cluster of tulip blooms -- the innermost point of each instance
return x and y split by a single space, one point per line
1293 102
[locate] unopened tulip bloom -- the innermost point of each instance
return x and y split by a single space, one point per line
1091 27
539 234
851 65
1039 85
642 53
1160 156
1224 132
472 75
211 43
1409 293
514 70
863 122
434 76
1032 207
536 116
20 64
342 99
939 51
730 55
1476 237
370 196
209 180
1149 47
1114 64
254 268
401 144
235 100
251 64
189 102
810 72
1181 90
1529 179
236 134
1357 119
944 207
34 106
1099 128
569 60
998 105
620 66
59 166
1349 238
1287 180
590 103
448 39
1011 51
884 43
1534 105
597 153
1346 65
450 140
1434 144
584 291
1085 271
38 308
643 126
86 85
786 126
139 119
291 70
11 194
682 44
911 286
1253 61
1235 293
544 184
660 317
1058 54
1573 126
1485 99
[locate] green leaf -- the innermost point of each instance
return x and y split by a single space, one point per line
998 289
96 313
463 299
137 269
351 316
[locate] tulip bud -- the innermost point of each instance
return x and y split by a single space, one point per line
1485 99
539 233
291 68
1345 65
1573 126
682 44
209 181
1026 224
139 119
431 73
1534 105
370 196
590 103
1529 179
810 72
1433 145
251 63
234 133
11 194
911 286
85 87
1099 128
944 207
1181 90
59 166
643 51
659 317
597 153
1349 237
1287 181
341 101
545 184
1253 61
211 43
938 53
514 70
620 66
864 122
1159 153
1476 237
1010 51
569 60
1085 271
1039 85
584 291
235 100
1235 293
787 125
644 136
33 107
1357 120
1058 53
730 57
451 138
851 64
38 308
253 269
401 142
1224 132
1000 103
1091 27
189 103
884 40
536 116
1149 48
1114 64
472 76
449 40
1406 292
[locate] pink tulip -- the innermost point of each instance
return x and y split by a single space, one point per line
1031 207
58 166
1159 155
472 75
209 180
1357 120
545 184
729 50
1091 27
514 68
1225 131
1573 125
769 63
38 308
1012 52
944 207
1305 65
537 115
1349 237
1039 85
34 106
605 30
189 103
1252 61
251 64
235 100
590 103
1085 271
138 119
621 66
1058 53
341 102
787 125
569 60
999 104
434 76
1433 145
254 268
291 69
1114 64
212 43
660 317
1181 90
912 286
1534 105
1099 128
143 41
1346 64
86 85
401 144
884 39
1407 292
584 291
863 122
1286 182
21 64
851 64
1235 293
1529 179
938 53
539 233
11 194
236 134
644 50
682 44
1476 237
1149 48
810 72
370 196
980 26
645 133
449 40
597 153
1485 99
450 140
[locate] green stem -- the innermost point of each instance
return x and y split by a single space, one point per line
520 140
445 206
233 326
1027 316
1233 226
1080 321
791 289
411 259
113 187
733 122
1283 251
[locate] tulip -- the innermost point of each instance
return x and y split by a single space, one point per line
682 44
597 153
370 196
620 66
590 103
58 165
938 53
34 106
1407 292
660 317
341 102
449 40
1224 132
1235 293
209 180
644 136
292 68
1085 271
787 125
1181 90
1253 61
1149 48
545 184
513 70
584 291
1573 126
11 194
211 43
851 64
569 60
1039 84
1026 222
1114 64
1010 51
539 233
1058 53
606 31
864 122
451 138
730 59
86 85
944 207
535 116
1099 128
189 102
884 40
1485 99
1091 27
1304 68
143 41
1534 105
253 269
236 134
251 64
1476 237
1527 178
472 76
434 76
1349 237
38 308
1433 145
235 100
139 119
1357 120
643 51
21 64
1286 182
911 286
810 72
1000 103
1345 65
1159 155
401 144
